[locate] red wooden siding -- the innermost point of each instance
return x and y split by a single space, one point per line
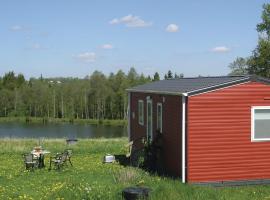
219 135
171 109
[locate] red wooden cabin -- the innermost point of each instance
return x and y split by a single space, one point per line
214 129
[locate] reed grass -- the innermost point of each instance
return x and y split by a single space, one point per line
109 122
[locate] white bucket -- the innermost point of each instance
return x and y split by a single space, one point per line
109 158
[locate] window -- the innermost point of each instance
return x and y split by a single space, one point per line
141 112
149 120
260 123
159 117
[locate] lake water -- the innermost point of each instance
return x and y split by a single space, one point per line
22 130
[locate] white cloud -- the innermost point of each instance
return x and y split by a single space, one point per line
172 28
131 21
86 57
221 49
107 46
114 21
16 28
36 46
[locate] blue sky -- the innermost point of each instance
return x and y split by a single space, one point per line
76 37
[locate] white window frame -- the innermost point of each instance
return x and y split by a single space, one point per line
253 108
141 122
161 122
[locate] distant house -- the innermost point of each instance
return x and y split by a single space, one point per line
214 129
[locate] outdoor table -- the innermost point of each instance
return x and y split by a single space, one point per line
40 156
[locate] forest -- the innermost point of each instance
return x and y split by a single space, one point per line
96 96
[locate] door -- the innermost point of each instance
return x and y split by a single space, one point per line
149 120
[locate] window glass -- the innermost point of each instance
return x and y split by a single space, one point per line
159 117
149 120
141 112
262 123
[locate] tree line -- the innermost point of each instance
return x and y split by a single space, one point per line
259 61
96 96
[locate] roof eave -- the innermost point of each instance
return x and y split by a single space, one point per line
259 79
155 92
206 89
220 86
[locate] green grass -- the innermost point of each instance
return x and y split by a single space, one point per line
112 122
91 179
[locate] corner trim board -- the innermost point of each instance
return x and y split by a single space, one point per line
183 139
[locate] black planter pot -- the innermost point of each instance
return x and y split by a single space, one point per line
133 193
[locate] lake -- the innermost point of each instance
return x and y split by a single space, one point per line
23 130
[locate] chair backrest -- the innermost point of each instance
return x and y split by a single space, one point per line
63 157
69 152
28 158
129 150
41 156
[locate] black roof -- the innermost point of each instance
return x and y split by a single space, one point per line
192 86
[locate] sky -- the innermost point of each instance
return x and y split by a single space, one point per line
76 37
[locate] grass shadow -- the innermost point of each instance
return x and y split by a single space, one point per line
122 160
151 169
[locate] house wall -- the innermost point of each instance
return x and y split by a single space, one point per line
219 135
171 134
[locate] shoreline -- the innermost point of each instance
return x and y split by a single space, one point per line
41 120
48 139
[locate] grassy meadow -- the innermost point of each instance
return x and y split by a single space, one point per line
89 178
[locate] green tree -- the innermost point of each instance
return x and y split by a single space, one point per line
156 77
20 80
121 84
6 102
259 62
98 93
165 76
238 67
264 26
96 96
9 80
169 75
142 79
132 76
1 83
